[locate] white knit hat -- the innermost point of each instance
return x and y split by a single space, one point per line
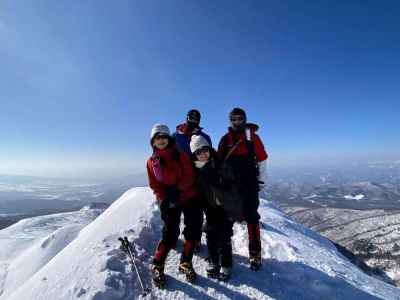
197 142
159 129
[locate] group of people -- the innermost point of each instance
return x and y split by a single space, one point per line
189 177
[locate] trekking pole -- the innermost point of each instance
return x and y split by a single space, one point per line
128 248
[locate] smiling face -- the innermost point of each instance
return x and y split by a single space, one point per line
203 154
160 141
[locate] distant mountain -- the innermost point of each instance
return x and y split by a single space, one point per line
357 207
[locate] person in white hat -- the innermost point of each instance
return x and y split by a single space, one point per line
211 187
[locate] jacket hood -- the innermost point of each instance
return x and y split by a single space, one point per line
253 127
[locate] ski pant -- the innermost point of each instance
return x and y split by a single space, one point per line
171 218
251 203
219 234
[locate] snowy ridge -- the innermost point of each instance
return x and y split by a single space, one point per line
31 243
298 263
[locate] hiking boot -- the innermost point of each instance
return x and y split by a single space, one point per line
225 273
187 269
213 270
158 276
255 261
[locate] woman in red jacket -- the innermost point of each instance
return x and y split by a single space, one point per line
171 177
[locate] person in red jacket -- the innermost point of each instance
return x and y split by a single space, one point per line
244 151
171 177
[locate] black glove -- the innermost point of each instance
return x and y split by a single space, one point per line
173 195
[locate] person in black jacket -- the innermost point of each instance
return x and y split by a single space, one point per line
212 187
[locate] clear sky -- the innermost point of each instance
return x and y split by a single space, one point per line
82 82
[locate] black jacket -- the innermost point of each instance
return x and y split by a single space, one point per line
216 185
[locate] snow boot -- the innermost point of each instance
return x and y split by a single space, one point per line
158 276
225 274
255 261
187 269
213 270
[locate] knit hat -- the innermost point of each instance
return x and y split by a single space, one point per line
238 111
159 129
197 142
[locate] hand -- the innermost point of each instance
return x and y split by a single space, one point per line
162 204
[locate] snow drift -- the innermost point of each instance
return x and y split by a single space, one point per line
297 263
31 243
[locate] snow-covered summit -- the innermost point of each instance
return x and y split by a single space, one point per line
298 263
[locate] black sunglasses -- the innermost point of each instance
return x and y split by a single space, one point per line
161 136
193 119
235 119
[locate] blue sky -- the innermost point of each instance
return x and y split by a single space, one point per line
81 82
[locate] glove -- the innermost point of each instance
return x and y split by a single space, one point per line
263 176
172 197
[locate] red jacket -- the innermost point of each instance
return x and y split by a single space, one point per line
164 170
229 140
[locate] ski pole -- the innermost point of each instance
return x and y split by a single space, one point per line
126 244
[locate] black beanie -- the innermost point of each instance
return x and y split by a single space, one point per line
193 113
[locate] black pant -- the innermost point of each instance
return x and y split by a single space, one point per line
251 202
247 184
193 217
219 234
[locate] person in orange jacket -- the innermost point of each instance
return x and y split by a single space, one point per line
244 151
171 177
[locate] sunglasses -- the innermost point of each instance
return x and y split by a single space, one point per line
202 150
193 119
161 137
237 119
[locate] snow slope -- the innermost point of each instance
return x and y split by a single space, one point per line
298 263
28 245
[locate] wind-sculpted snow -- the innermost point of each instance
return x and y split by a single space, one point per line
297 262
30 244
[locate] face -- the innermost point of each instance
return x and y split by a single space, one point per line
193 121
237 120
161 142
203 154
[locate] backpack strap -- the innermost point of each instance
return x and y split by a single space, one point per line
251 150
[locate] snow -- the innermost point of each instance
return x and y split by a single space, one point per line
356 197
297 262
30 244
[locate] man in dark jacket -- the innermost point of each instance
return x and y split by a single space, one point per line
185 131
244 151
